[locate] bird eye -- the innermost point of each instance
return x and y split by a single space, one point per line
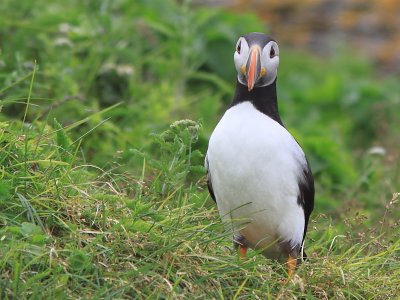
272 52
238 47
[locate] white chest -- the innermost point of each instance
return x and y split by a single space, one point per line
255 167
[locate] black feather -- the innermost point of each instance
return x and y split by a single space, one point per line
209 184
306 197
263 98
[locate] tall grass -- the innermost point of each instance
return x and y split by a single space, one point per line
74 231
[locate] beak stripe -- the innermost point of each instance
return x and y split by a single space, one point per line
252 74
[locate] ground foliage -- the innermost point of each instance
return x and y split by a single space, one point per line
100 197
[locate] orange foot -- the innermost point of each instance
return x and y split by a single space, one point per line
242 251
292 263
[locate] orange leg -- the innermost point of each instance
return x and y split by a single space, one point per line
242 251
292 263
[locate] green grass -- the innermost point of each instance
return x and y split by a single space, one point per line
100 197
73 231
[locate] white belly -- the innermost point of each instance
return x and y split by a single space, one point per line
255 167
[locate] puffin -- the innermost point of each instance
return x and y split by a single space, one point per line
257 173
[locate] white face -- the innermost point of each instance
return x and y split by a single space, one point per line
269 60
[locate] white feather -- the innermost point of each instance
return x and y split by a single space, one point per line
255 167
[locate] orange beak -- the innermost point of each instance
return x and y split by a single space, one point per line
253 66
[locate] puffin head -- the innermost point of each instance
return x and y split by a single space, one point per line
256 60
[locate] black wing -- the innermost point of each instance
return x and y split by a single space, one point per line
209 184
306 197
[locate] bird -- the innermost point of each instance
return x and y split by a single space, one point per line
257 173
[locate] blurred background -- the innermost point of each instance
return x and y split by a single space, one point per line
160 61
321 26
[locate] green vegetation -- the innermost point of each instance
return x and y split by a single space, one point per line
100 197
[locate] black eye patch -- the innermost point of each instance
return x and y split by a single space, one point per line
272 52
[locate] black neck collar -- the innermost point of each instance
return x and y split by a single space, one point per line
263 98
